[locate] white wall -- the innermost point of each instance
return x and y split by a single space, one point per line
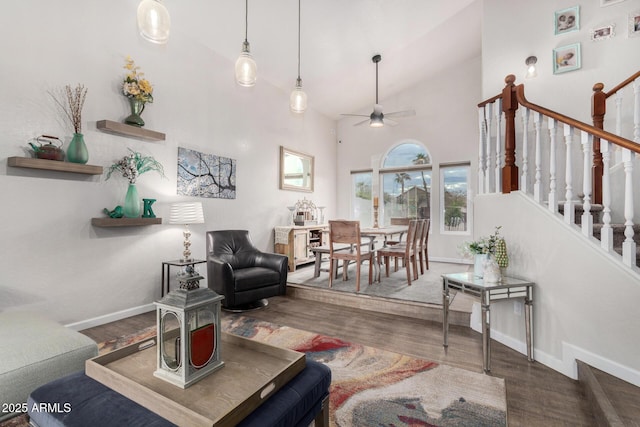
52 259
513 30
445 123
585 301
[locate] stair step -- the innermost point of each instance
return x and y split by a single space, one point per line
615 402
596 211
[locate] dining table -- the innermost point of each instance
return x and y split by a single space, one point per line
384 232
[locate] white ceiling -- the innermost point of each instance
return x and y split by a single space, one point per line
416 38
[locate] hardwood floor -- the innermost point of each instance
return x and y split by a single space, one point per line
536 395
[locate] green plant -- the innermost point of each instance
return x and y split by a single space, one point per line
484 245
134 165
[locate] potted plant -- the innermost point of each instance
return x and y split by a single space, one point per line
492 247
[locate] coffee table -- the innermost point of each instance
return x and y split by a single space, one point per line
253 372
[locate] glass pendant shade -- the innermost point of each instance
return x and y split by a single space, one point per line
531 67
298 99
246 68
153 21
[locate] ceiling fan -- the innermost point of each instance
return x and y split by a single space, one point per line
377 118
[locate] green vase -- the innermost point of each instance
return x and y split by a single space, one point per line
132 202
77 150
137 107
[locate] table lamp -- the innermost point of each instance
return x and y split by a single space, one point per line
185 214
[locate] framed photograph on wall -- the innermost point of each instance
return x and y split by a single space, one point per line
566 58
567 20
602 33
634 24
609 2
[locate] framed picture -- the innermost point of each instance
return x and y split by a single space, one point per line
634 24
567 20
609 2
566 58
602 33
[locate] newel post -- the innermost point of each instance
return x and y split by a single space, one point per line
509 107
598 110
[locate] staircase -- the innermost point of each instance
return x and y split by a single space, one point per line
563 160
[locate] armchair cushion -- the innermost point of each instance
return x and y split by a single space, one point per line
241 272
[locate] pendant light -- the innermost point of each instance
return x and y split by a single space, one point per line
298 99
153 21
246 68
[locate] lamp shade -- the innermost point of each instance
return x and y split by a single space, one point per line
298 99
246 68
186 213
153 21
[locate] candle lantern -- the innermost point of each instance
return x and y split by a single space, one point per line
188 323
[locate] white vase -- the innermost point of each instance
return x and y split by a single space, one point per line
478 265
491 273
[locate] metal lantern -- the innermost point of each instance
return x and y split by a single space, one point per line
188 335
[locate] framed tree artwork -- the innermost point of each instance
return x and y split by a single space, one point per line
206 175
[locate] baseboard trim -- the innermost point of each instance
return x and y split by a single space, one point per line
112 317
570 353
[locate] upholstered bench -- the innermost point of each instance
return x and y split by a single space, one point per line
35 351
77 400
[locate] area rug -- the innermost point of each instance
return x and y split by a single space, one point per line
372 387
427 288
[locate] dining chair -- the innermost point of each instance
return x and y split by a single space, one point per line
405 251
348 232
423 253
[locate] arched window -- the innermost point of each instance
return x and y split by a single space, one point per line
405 183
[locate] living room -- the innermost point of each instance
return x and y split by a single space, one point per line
56 262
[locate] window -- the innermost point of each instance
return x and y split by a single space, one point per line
454 198
406 183
361 203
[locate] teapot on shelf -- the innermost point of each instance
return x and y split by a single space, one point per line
45 148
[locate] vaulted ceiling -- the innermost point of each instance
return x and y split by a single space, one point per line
416 38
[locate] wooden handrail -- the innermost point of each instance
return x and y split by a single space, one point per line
600 133
490 100
623 84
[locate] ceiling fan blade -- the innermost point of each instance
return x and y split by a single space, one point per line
389 122
355 115
362 122
405 113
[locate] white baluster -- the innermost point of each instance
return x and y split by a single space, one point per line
569 203
636 110
488 118
629 245
525 150
553 198
537 186
499 143
587 217
482 130
606 234
618 100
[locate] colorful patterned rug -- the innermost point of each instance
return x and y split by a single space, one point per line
372 387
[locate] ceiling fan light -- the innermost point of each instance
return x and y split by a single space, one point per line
376 122
246 68
298 98
154 22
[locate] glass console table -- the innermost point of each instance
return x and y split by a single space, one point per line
508 288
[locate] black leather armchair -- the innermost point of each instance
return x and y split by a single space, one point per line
242 273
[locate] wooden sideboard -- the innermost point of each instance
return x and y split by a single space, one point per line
296 242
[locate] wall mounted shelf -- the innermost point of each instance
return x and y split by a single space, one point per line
124 222
128 130
53 165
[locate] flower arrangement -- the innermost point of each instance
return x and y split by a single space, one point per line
134 165
74 102
135 85
484 245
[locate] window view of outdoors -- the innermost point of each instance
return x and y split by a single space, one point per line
406 183
361 202
454 197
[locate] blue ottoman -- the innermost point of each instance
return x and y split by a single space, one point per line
77 400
